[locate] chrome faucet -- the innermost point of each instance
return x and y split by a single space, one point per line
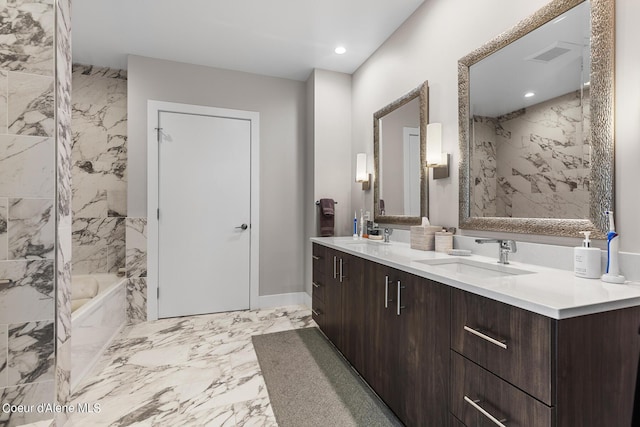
387 232
505 247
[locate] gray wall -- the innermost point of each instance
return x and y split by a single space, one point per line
328 159
281 104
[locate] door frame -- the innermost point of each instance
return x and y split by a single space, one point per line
154 108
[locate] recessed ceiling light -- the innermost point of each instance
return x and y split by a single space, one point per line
340 50
529 94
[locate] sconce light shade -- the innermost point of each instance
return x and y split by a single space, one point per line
361 167
361 170
434 144
436 159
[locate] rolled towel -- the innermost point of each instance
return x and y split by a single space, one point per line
83 286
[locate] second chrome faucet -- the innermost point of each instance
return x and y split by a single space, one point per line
505 247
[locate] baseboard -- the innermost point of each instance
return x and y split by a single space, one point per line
279 300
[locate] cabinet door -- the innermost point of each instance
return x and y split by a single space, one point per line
381 340
353 310
423 351
319 284
333 298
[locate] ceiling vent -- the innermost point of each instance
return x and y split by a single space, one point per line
553 52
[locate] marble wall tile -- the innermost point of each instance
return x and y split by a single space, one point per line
27 166
30 295
31 352
4 217
29 394
4 99
4 348
137 300
541 163
27 44
93 240
31 228
136 247
30 106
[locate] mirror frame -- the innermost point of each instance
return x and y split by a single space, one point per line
602 131
422 93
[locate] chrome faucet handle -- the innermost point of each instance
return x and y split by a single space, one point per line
387 232
505 246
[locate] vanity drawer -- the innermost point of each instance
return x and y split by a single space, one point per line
477 395
317 311
513 343
318 285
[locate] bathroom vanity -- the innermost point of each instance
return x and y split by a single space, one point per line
462 341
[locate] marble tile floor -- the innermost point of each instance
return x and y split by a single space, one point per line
188 371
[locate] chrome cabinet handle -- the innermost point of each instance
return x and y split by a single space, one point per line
315 312
386 291
335 273
499 343
400 307
315 257
474 403
315 285
243 226
341 276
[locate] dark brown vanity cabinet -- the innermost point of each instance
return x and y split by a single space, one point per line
407 344
521 368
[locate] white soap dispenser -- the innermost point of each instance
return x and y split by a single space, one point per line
586 260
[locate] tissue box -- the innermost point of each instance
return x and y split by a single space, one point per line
423 237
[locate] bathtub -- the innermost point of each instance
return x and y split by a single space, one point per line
96 323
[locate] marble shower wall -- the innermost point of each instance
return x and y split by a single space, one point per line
533 162
137 270
27 206
99 168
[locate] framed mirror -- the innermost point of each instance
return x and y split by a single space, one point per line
536 124
400 189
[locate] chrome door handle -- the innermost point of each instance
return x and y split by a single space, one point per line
386 291
499 343
400 307
474 403
243 226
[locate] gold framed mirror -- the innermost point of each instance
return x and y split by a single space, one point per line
540 166
400 189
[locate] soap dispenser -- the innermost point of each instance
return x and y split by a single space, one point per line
586 260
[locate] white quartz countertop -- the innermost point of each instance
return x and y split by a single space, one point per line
551 292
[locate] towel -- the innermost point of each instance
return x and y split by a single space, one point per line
327 211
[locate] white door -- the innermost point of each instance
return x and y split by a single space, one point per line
204 195
411 168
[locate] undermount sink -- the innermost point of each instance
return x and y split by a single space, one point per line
473 268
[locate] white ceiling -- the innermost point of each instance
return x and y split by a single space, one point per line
281 38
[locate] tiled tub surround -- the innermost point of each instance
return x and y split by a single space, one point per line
552 292
99 161
199 370
534 161
136 261
95 324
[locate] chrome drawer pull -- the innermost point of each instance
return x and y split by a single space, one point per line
496 421
315 285
499 343
335 272
386 291
341 276
315 257
399 307
315 312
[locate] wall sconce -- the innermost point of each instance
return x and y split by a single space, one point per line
436 159
361 171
